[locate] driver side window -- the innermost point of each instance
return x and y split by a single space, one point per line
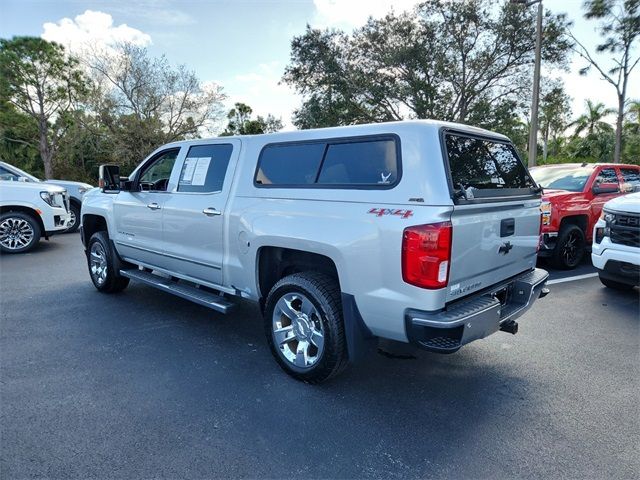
7 175
155 177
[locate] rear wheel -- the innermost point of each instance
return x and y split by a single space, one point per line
104 266
569 248
304 326
615 285
74 223
19 232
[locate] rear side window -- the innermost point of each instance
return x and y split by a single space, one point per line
342 163
631 178
293 164
485 168
363 163
204 168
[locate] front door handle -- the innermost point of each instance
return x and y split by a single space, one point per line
153 206
210 212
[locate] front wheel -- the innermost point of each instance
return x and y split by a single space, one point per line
304 326
569 248
19 232
103 265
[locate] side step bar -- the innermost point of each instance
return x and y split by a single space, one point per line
196 295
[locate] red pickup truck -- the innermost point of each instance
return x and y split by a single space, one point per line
572 201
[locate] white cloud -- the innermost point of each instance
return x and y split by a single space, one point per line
354 13
261 90
92 29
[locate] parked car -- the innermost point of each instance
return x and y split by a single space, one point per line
418 231
616 243
572 201
28 211
76 190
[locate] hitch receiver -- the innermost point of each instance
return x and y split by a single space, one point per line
510 327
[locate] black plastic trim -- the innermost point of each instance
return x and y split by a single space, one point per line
360 340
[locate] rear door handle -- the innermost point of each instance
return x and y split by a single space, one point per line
210 212
153 206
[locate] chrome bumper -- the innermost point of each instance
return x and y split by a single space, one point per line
478 316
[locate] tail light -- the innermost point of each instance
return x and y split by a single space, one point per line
426 255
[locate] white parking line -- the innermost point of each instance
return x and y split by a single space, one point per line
571 279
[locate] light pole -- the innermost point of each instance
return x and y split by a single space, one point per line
533 134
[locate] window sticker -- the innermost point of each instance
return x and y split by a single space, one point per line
200 171
187 170
194 171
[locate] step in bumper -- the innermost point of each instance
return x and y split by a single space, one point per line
476 317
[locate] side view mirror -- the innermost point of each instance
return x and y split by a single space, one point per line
109 178
601 188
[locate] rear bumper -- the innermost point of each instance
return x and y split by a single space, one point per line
476 317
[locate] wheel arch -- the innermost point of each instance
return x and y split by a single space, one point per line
274 263
27 210
582 221
92 223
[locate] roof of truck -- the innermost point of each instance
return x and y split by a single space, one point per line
360 129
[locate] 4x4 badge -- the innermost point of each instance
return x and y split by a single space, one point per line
505 248
379 212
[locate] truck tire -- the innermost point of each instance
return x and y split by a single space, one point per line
304 326
19 232
569 248
104 265
615 285
74 210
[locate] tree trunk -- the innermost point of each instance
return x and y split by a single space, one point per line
45 149
618 149
545 142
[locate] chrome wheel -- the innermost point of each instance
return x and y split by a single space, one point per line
98 263
297 330
72 220
15 233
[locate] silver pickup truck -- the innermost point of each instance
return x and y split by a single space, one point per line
415 231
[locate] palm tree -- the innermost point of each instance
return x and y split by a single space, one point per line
592 120
633 112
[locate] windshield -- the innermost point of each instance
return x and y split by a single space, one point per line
9 172
572 178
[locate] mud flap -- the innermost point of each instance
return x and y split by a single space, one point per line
360 340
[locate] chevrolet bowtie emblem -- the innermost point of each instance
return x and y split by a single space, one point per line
505 248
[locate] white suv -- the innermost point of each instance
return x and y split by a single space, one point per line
616 243
29 211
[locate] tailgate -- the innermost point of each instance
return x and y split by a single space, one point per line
490 244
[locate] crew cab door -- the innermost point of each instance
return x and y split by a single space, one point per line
138 213
194 213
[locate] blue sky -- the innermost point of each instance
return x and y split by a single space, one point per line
242 45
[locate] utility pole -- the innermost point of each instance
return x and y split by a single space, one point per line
533 133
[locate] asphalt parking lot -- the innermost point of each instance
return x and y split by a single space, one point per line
143 384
